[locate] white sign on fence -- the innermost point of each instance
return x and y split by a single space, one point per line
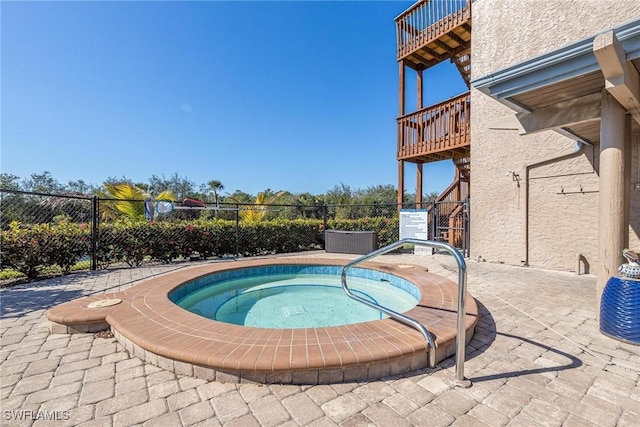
414 224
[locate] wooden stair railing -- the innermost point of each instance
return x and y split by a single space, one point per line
433 30
451 211
456 223
432 133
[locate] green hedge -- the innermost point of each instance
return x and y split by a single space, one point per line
34 248
29 250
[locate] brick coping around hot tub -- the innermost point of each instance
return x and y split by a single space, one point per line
160 332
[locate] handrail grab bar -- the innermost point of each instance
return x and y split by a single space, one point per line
462 292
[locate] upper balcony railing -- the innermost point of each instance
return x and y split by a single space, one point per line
428 20
429 134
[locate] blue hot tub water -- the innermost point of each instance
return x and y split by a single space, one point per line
294 296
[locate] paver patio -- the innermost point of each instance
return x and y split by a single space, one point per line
536 358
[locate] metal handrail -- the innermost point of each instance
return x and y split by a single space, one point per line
462 292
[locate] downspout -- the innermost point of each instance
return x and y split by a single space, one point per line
527 168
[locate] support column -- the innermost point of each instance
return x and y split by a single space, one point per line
419 185
401 102
420 130
419 89
615 176
400 183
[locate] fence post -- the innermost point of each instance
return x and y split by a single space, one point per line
94 233
237 231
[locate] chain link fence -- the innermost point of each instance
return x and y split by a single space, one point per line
60 233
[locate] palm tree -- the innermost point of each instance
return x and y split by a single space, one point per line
258 211
131 198
214 187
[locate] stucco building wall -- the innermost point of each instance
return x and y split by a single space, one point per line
563 195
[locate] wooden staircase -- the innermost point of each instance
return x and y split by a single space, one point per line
463 167
462 62
428 33
449 213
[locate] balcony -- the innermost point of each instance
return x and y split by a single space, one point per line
432 31
438 132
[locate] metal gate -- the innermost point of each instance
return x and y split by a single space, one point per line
450 224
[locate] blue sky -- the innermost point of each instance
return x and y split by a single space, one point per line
296 96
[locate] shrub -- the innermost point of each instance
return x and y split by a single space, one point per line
23 249
65 244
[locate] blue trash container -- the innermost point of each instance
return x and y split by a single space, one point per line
620 309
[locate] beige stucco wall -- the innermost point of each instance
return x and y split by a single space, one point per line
563 220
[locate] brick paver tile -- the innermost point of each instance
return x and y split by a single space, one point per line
434 385
97 391
54 393
187 383
128 363
529 386
595 415
244 421
55 341
269 411
343 407
576 421
9 380
251 392
33 383
508 400
120 403
97 422
71 377
455 402
140 413
74 357
24 360
357 420
80 415
321 394
160 377
130 373
63 403
168 388
468 421
489 415
170 419
13 403
100 373
114 357
323 422
383 415
196 413
374 392
80 365
413 391
41 366
545 413
630 418
214 389
283 390
401 404
229 406
431 416
180 400
102 347
302 408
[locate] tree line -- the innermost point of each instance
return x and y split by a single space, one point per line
209 192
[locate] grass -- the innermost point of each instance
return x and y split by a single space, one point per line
11 275
8 274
